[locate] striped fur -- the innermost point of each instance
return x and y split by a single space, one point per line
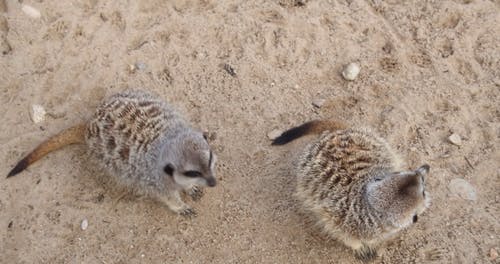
352 183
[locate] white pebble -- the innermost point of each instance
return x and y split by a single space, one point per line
318 102
131 68
37 113
31 11
351 71
274 134
462 189
455 139
85 224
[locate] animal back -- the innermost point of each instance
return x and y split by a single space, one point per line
126 127
342 161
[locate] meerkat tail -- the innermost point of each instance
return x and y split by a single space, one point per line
311 127
66 137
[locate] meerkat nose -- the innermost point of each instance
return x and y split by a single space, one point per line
211 182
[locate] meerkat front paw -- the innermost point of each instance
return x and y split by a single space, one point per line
365 253
188 212
196 193
174 202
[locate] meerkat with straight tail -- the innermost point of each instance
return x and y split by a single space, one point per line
354 185
145 145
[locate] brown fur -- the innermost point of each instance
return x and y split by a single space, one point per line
72 135
310 128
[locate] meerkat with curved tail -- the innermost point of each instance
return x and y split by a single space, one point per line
354 185
145 144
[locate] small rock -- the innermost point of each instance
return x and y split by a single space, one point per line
85 224
37 113
318 102
455 139
131 68
493 254
229 70
31 11
351 71
462 189
274 134
140 66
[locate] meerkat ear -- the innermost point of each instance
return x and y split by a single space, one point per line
423 170
206 135
410 184
169 169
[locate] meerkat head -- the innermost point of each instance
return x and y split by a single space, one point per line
399 196
190 161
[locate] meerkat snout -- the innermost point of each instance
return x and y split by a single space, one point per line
193 164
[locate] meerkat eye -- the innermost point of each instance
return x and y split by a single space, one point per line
378 179
168 169
415 218
205 135
193 174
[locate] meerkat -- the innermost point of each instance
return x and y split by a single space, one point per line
145 145
354 185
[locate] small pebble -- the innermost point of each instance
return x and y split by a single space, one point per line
462 189
37 113
351 71
455 139
274 134
318 102
493 254
140 66
31 11
229 70
85 224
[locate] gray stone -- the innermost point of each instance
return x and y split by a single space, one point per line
351 71
318 102
455 139
463 189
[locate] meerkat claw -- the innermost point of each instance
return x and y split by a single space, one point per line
188 213
196 193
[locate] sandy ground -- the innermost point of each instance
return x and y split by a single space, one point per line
429 69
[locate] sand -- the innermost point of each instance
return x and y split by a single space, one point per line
241 69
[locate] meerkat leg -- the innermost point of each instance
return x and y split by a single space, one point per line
195 192
361 250
174 202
